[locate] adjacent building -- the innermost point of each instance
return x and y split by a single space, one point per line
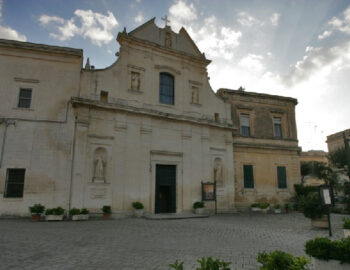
148 128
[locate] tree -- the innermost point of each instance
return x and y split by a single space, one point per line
338 158
305 169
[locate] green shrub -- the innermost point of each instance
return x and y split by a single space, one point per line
198 205
106 209
346 224
287 206
84 211
54 211
137 205
177 265
302 190
211 264
74 211
255 205
205 264
279 260
324 249
311 206
37 209
277 206
264 205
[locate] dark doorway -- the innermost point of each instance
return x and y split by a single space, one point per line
165 189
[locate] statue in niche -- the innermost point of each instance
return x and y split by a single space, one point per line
168 41
218 170
100 165
135 81
195 95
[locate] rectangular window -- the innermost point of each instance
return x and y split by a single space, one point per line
248 176
277 127
25 98
14 183
104 96
281 177
166 88
245 124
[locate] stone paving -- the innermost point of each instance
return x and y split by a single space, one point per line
136 243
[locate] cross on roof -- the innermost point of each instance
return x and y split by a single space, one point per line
165 19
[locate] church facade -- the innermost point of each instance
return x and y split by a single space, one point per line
148 128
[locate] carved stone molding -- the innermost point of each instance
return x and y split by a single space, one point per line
26 80
178 72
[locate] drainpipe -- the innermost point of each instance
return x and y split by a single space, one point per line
72 166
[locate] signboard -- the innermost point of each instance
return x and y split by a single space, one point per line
326 195
208 191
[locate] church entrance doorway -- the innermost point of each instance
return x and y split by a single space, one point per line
165 189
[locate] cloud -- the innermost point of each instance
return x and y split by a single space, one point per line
215 40
180 13
275 19
7 32
139 18
247 20
319 61
252 62
86 23
341 24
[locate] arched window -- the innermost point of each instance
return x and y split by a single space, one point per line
166 88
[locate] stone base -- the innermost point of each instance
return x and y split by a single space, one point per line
321 223
80 217
54 218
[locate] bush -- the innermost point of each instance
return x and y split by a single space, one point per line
255 205
277 206
302 190
198 205
37 209
54 211
106 209
346 224
137 205
84 211
324 249
311 206
287 206
74 211
205 264
264 205
279 260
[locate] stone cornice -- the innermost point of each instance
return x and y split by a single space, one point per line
40 47
145 43
77 101
266 146
229 92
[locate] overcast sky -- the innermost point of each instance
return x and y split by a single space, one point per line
297 48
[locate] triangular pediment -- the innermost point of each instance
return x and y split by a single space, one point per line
166 38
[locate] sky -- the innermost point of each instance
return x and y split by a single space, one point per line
295 48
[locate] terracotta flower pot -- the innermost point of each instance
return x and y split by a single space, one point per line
36 217
106 215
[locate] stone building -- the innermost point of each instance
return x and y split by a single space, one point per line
336 140
148 128
265 146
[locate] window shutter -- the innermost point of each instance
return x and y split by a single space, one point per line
282 177
248 176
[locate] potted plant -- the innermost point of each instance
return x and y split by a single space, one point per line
78 214
54 214
313 209
264 207
107 211
346 227
255 207
329 255
198 207
138 209
277 209
279 260
287 208
36 210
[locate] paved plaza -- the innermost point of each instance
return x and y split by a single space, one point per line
136 243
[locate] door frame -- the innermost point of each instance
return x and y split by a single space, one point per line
167 158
